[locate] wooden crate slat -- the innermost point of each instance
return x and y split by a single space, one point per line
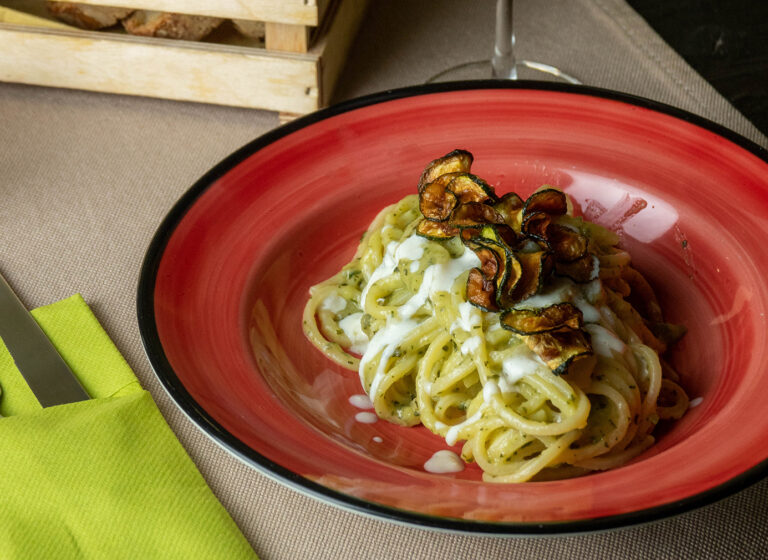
286 37
8 15
167 69
299 12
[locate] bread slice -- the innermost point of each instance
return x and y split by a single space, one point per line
170 26
249 28
87 16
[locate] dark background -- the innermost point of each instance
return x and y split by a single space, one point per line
726 41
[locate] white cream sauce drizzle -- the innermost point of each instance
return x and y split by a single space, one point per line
595 268
412 249
469 317
366 417
360 401
354 332
385 341
604 342
695 402
494 326
504 385
444 461
515 367
490 389
438 278
452 436
471 345
334 303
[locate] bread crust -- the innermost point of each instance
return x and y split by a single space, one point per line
86 16
249 28
170 26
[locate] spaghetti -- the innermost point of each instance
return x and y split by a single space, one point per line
513 334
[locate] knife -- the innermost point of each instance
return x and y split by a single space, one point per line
42 367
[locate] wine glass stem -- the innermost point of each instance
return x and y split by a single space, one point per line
503 60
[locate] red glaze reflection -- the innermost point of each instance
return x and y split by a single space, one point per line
690 205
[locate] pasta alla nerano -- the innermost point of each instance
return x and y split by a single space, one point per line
512 326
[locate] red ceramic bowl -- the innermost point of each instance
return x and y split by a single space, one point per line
226 278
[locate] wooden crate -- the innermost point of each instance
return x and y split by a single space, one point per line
293 71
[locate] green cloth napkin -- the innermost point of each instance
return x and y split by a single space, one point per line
104 478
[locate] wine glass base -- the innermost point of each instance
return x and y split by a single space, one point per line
482 69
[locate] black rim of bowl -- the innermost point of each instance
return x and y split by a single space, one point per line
177 391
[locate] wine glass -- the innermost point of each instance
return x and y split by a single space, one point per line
502 64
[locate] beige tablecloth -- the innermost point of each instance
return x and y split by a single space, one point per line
86 178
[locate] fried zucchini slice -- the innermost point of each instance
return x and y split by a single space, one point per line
500 233
506 290
489 262
509 270
507 234
522 274
468 234
581 271
436 202
471 188
436 230
489 232
536 225
560 350
457 161
537 321
510 206
567 245
547 200
536 266
474 214
481 290
500 254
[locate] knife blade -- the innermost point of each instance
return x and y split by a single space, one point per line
41 365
